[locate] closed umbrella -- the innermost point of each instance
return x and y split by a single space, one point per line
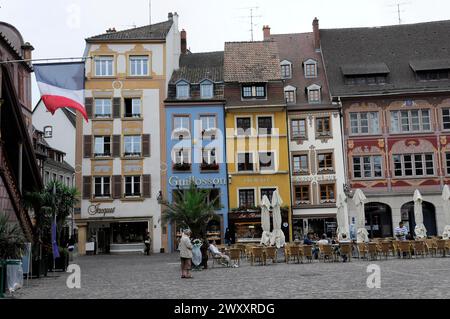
342 217
265 221
420 230
359 199
446 206
278 239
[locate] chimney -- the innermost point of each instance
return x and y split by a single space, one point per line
27 49
316 32
266 31
183 42
111 30
170 16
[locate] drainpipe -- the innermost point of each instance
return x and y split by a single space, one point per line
20 173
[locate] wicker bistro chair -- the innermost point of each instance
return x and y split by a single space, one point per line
395 247
431 247
216 260
293 253
386 248
326 252
346 250
404 248
308 252
235 256
248 251
287 253
241 247
442 246
372 249
419 248
258 255
272 253
362 250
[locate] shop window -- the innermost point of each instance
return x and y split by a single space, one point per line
129 233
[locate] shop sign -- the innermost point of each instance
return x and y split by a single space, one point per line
199 181
95 209
315 178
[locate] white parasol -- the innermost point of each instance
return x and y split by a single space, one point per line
446 207
278 239
420 230
342 217
265 221
359 199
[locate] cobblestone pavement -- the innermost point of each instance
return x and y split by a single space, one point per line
158 276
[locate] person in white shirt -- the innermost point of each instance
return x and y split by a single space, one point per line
401 232
226 261
323 241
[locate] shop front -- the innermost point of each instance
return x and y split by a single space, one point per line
318 225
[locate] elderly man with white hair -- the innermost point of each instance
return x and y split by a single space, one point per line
186 254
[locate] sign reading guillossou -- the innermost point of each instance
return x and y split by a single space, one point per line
176 181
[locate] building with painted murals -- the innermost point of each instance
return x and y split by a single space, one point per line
256 138
121 148
195 135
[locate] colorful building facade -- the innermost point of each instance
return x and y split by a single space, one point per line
195 136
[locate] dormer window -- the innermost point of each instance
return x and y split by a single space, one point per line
365 74
290 94
431 70
310 68
48 132
256 91
206 89
183 90
314 93
286 69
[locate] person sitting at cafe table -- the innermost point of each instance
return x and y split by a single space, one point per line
324 240
344 240
309 241
225 260
401 232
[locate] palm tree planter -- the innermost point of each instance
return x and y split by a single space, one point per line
60 263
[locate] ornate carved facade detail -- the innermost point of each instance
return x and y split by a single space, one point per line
411 146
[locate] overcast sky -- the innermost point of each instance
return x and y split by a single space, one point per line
57 28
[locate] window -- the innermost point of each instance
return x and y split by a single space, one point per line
323 126
102 146
301 194
206 90
102 187
182 156
433 75
286 71
367 167
446 118
245 162
410 165
327 194
54 177
61 179
301 164
47 178
209 156
181 125
246 198
208 122
244 126
377 79
48 132
265 125
132 145
314 95
214 197
310 67
132 108
298 127
254 91
132 186
364 123
410 121
183 90
103 108
290 97
68 183
267 192
266 161
104 65
139 65
447 161
325 162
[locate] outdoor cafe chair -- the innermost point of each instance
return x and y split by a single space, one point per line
372 249
241 247
404 248
216 259
272 253
308 252
362 250
293 253
326 252
431 247
346 250
386 248
258 255
419 248
442 246
235 256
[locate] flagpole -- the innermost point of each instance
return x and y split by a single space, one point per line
50 59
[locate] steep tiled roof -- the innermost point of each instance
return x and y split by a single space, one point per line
248 62
156 31
401 48
196 67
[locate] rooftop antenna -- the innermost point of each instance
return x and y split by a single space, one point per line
398 5
252 18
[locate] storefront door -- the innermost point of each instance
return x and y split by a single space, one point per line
103 240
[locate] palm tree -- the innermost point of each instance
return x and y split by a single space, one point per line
12 242
192 209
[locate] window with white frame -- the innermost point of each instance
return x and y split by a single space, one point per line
244 126
298 128
209 156
245 162
102 187
102 146
139 65
310 68
182 156
104 65
446 118
413 165
132 107
208 122
132 186
48 132
265 125
132 145
367 167
314 94
286 70
267 192
266 161
290 97
300 164
257 91
181 126
410 121
206 90
183 90
364 123
103 108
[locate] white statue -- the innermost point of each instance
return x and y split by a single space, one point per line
421 231
362 235
446 234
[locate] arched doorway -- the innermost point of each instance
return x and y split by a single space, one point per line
378 220
429 217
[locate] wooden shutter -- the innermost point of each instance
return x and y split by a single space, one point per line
87 146
117 187
87 187
147 186
117 101
146 145
116 146
89 104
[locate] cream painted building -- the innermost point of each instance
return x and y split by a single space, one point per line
120 150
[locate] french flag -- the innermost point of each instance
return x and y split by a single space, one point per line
61 85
